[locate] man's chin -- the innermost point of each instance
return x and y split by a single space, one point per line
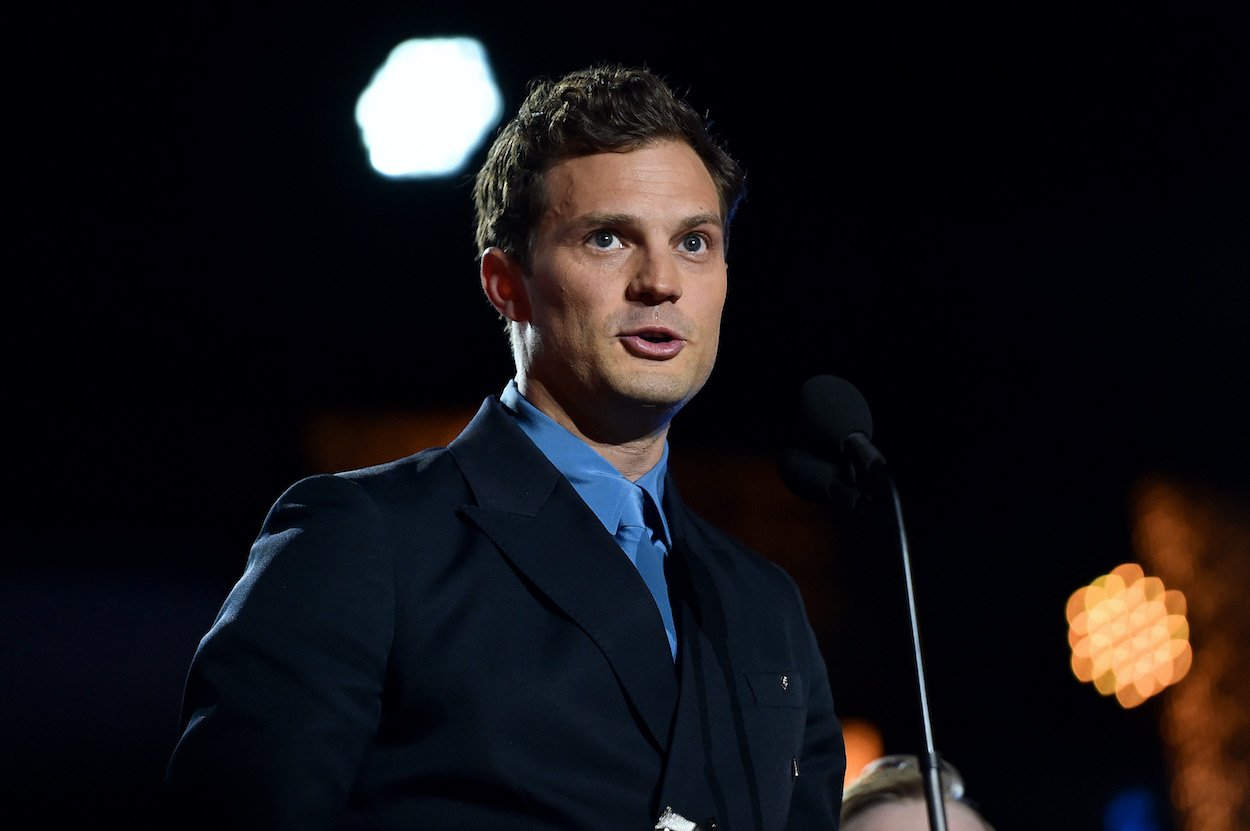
667 395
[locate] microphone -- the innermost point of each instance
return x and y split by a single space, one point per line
835 460
840 415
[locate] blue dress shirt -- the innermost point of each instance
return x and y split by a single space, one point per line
592 476
604 489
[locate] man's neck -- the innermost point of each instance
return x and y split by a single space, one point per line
632 459
632 445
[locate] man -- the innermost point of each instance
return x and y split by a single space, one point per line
461 639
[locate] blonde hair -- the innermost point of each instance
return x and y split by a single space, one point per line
898 778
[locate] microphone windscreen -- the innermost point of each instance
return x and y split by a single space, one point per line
805 474
834 409
810 477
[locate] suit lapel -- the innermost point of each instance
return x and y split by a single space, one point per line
540 523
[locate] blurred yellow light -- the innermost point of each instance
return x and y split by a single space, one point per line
1128 634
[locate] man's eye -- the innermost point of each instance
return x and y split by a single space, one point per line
693 243
604 239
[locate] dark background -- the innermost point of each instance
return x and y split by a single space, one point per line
1022 231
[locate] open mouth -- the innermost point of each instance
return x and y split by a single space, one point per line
654 344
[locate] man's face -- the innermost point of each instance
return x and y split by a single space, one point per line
626 288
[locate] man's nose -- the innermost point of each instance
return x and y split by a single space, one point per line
657 280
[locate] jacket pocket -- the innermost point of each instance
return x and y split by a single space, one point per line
777 688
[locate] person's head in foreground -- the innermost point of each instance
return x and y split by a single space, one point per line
889 795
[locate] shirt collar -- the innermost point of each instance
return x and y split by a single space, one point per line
601 486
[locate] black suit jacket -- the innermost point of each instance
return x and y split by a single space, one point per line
454 641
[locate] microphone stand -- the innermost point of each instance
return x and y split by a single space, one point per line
931 766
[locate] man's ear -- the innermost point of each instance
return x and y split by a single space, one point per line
503 280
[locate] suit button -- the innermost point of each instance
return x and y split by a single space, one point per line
711 824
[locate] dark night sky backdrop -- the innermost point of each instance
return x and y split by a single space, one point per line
1023 232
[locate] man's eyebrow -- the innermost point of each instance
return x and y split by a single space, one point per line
704 219
597 218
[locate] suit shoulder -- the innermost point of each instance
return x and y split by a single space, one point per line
405 480
428 462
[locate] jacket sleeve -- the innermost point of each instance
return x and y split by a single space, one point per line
283 694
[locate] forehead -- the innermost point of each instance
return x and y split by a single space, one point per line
663 177
911 815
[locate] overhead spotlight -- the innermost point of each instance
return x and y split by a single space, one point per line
428 107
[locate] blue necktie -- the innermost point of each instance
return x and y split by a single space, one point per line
647 555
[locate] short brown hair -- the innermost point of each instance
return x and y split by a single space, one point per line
602 108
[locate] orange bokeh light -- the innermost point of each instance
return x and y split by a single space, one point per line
863 744
1129 634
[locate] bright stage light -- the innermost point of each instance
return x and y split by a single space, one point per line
428 107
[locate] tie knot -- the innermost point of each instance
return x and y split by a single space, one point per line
634 507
